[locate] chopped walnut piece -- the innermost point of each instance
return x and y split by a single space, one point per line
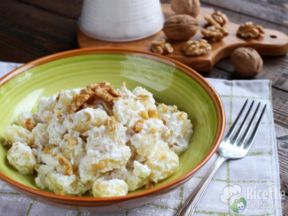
153 129
29 124
81 99
104 91
197 48
47 149
71 141
214 33
130 162
161 47
100 165
75 170
101 93
144 114
138 126
149 185
63 161
112 124
249 30
217 18
153 113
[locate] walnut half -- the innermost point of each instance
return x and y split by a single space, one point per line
249 30
161 47
214 33
197 48
217 18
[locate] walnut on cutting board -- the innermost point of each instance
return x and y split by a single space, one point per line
161 47
217 18
214 33
249 30
180 27
197 47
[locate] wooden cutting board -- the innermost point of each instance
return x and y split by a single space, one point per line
273 43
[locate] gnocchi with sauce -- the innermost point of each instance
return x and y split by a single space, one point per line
98 140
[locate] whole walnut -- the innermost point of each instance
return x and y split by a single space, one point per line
180 27
247 62
191 7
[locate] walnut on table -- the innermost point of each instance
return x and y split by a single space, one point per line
247 62
217 18
214 33
197 48
249 30
161 47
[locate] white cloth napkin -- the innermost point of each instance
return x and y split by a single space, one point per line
250 186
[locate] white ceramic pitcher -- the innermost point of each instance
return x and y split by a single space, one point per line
121 20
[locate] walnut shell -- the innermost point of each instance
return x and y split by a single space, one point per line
247 62
180 27
191 7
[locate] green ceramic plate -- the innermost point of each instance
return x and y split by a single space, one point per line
169 81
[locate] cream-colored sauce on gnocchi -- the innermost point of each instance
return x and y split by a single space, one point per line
136 143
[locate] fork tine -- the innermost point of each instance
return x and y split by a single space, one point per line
247 143
232 128
244 135
240 128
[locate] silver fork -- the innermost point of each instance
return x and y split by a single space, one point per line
235 145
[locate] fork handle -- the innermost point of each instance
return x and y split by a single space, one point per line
189 205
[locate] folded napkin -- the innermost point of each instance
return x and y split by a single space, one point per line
249 186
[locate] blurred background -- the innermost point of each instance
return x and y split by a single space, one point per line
31 28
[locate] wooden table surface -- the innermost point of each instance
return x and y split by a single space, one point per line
30 29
